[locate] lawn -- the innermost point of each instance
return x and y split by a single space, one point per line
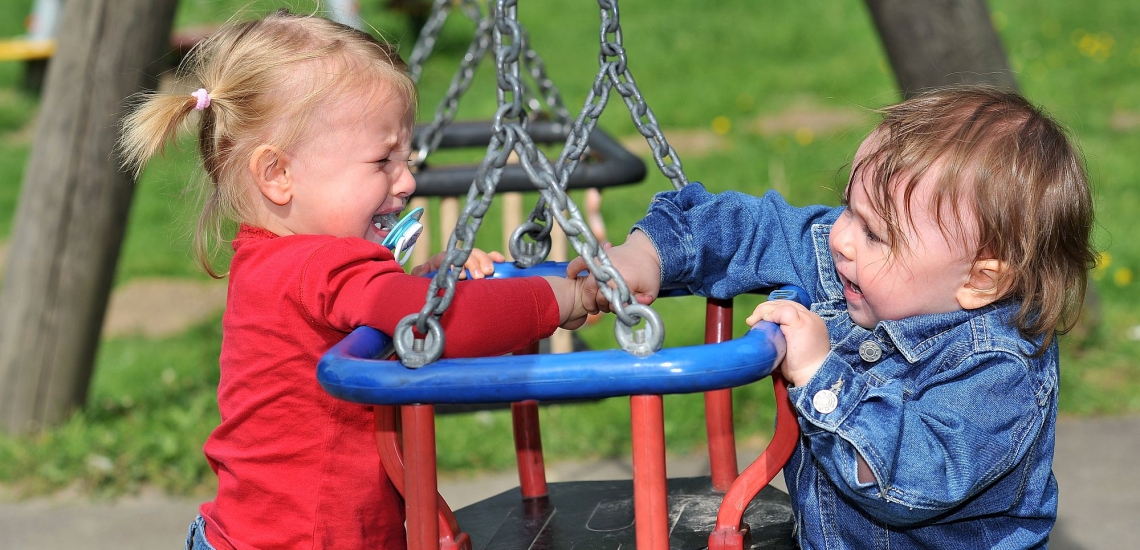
752 95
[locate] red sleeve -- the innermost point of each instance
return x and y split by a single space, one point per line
348 283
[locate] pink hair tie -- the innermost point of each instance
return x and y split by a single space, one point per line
203 98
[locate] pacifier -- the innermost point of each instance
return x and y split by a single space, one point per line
402 237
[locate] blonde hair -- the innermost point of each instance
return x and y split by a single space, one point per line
1009 165
266 79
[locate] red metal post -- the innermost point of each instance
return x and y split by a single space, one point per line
528 443
528 449
388 443
392 460
650 498
718 403
420 484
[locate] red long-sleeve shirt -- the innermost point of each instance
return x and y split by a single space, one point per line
296 467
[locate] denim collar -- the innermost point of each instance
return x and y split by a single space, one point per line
920 336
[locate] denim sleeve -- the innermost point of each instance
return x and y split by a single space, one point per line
930 448
724 244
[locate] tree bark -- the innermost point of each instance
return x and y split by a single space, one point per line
73 208
936 43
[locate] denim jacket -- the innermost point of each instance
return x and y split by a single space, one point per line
952 413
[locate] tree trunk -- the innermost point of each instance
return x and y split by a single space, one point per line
73 208
935 43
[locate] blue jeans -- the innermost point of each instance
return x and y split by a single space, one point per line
196 536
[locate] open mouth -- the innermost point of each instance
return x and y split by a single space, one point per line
854 288
385 222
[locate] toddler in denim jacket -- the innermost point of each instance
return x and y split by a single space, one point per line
925 373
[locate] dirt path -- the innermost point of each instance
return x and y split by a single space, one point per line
156 307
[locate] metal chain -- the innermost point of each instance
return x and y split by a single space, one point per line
667 159
510 134
551 185
415 353
428 36
613 73
551 97
428 140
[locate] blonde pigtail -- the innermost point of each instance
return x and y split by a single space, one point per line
146 130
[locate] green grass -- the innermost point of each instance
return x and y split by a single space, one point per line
152 401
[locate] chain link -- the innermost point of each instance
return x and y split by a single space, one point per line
510 135
428 36
429 139
551 97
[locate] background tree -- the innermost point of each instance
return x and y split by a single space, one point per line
73 208
936 43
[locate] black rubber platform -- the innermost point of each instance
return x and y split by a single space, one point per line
598 515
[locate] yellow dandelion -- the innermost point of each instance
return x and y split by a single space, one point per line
1103 260
1122 276
804 136
721 125
1096 46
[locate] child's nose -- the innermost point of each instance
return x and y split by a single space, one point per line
841 234
405 184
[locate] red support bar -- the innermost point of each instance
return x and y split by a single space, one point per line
718 403
729 534
528 443
420 486
528 449
388 443
392 460
650 498
722 440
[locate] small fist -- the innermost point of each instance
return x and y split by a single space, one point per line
806 335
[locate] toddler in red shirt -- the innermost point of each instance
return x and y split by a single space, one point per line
305 134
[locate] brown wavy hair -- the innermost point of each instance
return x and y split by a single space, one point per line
1011 167
267 79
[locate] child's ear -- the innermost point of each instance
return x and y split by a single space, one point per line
986 283
269 167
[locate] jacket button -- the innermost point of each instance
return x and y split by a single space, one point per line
824 401
870 351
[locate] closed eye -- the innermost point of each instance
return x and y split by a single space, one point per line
388 162
870 235
397 158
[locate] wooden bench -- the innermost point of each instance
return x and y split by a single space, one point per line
22 49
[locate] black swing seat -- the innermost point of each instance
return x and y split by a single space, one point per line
598 515
607 164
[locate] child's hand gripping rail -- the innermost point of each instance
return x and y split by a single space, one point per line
360 368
